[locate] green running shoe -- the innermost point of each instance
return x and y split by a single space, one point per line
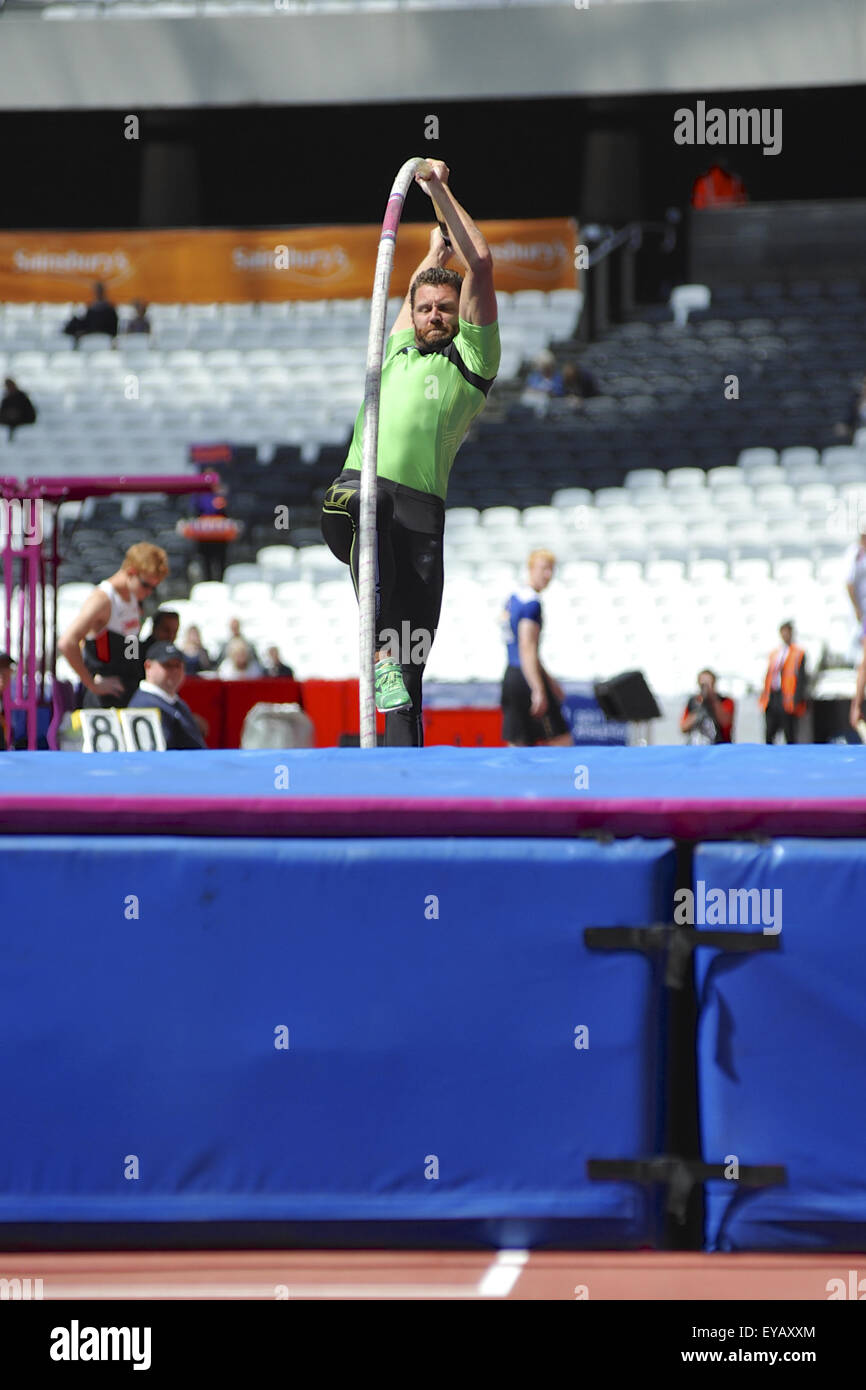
391 693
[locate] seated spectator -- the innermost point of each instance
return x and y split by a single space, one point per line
235 631
6 670
274 667
100 316
16 407
163 677
238 664
543 383
195 656
139 323
856 418
579 383
164 628
708 717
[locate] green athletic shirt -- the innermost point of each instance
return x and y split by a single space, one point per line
428 400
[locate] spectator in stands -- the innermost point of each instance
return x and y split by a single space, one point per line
164 628
163 676
213 532
274 667
578 383
110 666
195 655
6 666
856 418
16 408
238 664
139 323
440 363
531 698
234 632
856 584
543 384
100 316
708 717
718 187
784 697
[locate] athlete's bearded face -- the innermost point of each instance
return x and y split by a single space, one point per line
435 314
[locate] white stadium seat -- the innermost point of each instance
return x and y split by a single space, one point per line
686 478
755 458
685 298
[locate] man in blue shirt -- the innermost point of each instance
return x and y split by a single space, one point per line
531 699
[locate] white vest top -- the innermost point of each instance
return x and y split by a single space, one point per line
125 615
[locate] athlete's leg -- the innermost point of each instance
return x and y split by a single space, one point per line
515 699
340 529
418 598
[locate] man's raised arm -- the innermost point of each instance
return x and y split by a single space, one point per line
478 297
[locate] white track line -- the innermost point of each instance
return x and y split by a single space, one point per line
497 1282
503 1274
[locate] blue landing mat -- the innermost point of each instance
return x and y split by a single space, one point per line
782 1045
388 1029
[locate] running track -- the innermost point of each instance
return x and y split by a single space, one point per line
506 1274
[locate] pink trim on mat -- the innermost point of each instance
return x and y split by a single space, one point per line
434 816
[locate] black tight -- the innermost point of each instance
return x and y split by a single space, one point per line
777 718
340 527
409 581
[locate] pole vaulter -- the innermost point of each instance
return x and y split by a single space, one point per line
372 387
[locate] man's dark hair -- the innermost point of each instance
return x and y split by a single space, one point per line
435 276
706 672
163 613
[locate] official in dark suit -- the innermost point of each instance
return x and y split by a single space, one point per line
164 674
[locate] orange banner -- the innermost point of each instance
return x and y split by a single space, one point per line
202 267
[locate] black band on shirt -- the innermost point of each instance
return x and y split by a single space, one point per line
480 383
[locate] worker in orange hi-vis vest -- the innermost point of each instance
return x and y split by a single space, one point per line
783 699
